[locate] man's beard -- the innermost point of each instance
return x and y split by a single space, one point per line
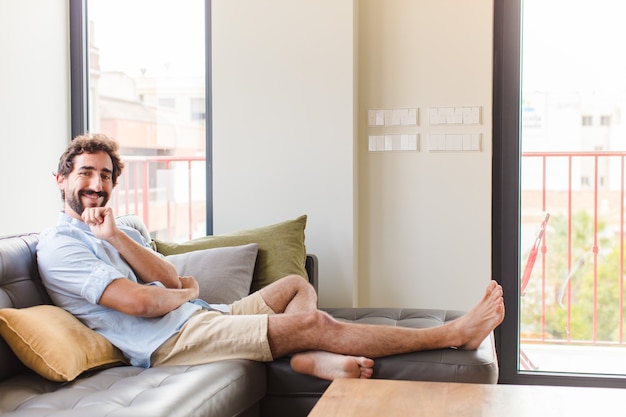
75 203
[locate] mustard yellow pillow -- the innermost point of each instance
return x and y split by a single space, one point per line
281 249
54 343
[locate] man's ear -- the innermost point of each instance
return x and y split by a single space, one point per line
60 181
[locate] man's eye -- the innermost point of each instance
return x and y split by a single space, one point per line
106 178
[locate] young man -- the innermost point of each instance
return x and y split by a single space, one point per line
108 277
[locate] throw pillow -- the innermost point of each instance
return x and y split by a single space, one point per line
281 249
54 343
224 274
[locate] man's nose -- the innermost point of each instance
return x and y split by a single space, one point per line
96 183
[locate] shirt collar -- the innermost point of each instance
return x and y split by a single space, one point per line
66 218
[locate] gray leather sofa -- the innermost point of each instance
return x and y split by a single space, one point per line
229 388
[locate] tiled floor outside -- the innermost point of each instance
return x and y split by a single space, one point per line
604 360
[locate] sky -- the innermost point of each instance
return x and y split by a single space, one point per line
566 43
161 36
574 44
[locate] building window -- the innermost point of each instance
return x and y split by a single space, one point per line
587 120
605 120
198 108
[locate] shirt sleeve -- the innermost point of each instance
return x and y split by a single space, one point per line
100 277
72 267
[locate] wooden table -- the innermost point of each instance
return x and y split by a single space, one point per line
377 397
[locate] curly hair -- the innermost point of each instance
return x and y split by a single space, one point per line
91 143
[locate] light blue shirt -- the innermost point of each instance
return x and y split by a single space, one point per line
76 267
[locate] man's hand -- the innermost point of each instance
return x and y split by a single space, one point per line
191 284
101 221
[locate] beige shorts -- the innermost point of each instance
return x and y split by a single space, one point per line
210 336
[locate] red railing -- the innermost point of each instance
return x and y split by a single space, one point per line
564 184
167 192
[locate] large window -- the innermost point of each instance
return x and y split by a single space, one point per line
559 157
140 73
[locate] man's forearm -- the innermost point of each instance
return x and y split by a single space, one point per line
147 300
164 301
148 266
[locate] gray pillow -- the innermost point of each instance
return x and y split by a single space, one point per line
223 274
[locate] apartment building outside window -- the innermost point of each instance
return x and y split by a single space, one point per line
144 79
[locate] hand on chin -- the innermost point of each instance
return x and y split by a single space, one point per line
100 220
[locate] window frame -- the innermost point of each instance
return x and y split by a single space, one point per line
506 201
79 87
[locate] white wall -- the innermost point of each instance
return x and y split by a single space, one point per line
34 110
425 217
284 132
390 229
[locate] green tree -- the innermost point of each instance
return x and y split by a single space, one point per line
603 303
569 282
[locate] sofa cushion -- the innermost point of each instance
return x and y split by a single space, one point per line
281 249
55 344
224 274
225 388
445 365
292 394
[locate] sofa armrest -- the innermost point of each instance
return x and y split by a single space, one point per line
311 266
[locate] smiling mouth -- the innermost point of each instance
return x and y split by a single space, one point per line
93 194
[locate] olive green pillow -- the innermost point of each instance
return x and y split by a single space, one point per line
54 343
281 249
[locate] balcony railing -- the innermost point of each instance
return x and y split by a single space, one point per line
167 192
575 295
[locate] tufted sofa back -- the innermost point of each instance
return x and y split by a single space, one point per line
20 286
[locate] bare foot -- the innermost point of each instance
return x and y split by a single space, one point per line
329 366
476 325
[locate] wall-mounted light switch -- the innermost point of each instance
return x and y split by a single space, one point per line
411 117
471 115
433 116
454 115
454 142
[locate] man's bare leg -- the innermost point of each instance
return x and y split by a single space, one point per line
294 294
290 294
317 331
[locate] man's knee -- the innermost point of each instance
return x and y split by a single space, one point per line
317 319
296 281
297 284
290 333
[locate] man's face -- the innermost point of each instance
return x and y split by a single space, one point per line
89 184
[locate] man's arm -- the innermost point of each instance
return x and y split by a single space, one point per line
147 300
147 265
